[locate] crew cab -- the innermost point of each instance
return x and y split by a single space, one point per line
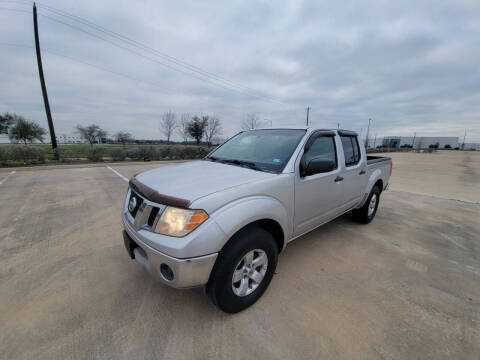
221 222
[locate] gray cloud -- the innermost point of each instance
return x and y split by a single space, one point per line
411 67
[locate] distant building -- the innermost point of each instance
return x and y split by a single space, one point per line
4 139
69 139
374 142
419 142
469 146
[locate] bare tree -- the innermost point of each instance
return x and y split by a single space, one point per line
251 122
182 130
92 133
214 128
168 124
123 138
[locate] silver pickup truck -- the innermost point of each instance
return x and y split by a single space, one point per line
221 222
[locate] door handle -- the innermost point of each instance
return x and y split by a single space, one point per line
338 179
363 172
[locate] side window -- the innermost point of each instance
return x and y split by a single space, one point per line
356 149
351 150
324 147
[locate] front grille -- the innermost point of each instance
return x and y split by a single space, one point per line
138 200
153 215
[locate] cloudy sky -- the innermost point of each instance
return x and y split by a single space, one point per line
411 67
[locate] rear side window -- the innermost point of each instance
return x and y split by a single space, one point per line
351 150
322 147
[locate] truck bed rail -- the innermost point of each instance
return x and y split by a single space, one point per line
377 159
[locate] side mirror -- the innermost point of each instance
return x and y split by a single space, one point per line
319 165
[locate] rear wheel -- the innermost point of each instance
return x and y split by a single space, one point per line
243 270
367 212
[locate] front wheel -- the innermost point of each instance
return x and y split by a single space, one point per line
367 212
243 270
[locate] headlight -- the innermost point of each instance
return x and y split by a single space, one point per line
179 222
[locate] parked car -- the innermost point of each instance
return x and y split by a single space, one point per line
221 222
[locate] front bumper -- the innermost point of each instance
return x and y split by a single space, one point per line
186 273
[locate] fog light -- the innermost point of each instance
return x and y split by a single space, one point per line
166 272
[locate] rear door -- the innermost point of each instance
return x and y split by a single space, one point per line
354 171
318 196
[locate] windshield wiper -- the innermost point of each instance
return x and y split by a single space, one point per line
248 164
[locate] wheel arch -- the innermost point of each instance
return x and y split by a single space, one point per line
264 212
269 225
375 179
379 184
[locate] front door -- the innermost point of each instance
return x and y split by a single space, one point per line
318 196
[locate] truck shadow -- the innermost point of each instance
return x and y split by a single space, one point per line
305 250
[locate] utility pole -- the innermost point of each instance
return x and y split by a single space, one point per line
413 142
42 83
464 136
308 112
375 141
368 131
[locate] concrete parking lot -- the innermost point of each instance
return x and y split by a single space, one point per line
406 286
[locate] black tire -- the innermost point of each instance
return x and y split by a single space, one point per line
219 287
361 215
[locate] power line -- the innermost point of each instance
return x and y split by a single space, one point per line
159 62
15 10
19 2
91 65
205 75
143 46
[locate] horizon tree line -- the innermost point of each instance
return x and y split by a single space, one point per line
19 129
208 127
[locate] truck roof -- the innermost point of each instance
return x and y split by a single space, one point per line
309 129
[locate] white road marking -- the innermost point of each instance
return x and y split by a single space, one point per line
450 238
116 172
6 177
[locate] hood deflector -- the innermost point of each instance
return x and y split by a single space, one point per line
154 196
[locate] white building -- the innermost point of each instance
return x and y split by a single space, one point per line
469 146
69 139
4 139
419 142
373 141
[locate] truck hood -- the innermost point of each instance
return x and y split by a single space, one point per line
195 179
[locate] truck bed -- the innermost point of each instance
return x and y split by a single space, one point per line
376 159
382 164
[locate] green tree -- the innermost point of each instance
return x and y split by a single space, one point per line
92 133
196 128
6 120
123 138
26 131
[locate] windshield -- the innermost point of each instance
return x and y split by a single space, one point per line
265 150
